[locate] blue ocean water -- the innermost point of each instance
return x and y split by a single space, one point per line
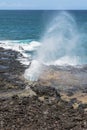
19 25
32 27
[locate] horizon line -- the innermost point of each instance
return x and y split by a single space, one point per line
43 9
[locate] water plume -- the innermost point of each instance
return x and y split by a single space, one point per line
58 45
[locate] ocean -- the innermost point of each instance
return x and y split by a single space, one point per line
45 36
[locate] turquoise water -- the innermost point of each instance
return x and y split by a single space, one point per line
23 27
18 25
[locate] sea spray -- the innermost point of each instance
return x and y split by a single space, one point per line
59 45
60 39
33 72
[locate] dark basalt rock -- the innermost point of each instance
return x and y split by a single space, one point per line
45 90
15 97
10 70
29 112
82 106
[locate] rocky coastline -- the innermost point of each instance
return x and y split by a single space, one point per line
57 101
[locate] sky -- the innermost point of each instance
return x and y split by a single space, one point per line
43 4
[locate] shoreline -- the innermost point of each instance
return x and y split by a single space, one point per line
56 101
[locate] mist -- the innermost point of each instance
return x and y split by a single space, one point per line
59 45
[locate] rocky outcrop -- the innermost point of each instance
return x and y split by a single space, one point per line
34 114
42 105
11 71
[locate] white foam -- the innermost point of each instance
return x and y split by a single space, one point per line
17 46
21 46
66 60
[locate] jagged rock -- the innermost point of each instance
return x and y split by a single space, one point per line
20 111
45 90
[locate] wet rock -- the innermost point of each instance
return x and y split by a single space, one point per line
73 100
45 90
82 106
10 70
70 93
15 97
